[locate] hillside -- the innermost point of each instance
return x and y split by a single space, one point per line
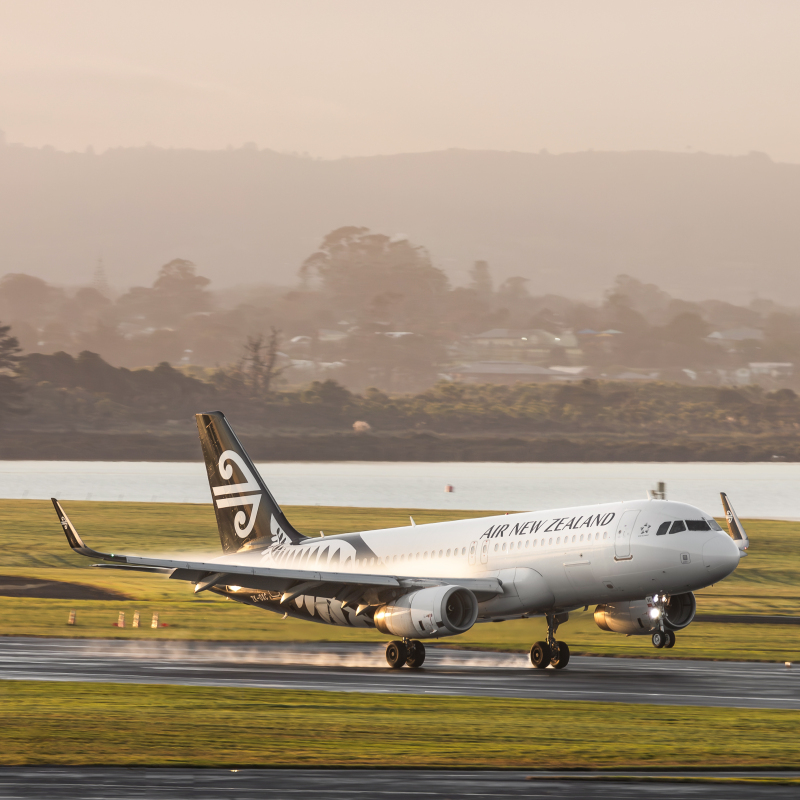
698 225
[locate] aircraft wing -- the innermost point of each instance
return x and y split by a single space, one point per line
234 570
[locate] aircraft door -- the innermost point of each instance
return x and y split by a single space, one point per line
473 551
485 552
622 539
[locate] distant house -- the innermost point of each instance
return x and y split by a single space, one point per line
501 372
507 344
736 335
331 335
771 369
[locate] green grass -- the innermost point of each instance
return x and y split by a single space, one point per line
126 725
32 544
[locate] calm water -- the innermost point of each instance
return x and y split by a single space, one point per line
757 490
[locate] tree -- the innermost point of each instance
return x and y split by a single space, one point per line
178 278
370 277
481 278
176 292
257 370
27 298
11 392
513 287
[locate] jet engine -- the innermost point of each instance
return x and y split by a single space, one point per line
427 613
636 617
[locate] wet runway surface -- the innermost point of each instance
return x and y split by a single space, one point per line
203 784
362 668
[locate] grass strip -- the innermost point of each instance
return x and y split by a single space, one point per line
135 725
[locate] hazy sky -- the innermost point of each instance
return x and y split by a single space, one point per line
360 77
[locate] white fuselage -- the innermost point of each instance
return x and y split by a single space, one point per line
558 559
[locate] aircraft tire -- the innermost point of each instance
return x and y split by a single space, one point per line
396 654
659 639
540 655
416 655
670 639
561 657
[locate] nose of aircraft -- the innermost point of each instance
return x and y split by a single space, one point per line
720 556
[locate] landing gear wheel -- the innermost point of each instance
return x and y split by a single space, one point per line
560 658
670 639
659 639
540 655
396 654
416 655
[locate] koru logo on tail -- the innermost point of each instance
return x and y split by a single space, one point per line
241 523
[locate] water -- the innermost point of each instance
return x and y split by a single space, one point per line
765 490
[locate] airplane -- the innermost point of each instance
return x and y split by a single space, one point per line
638 562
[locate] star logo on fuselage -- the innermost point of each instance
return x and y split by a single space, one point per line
645 529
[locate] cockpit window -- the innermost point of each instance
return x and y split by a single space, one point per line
697 525
663 528
677 526
714 525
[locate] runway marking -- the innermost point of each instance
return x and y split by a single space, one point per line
530 692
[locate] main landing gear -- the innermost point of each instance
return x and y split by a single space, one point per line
664 639
551 652
409 652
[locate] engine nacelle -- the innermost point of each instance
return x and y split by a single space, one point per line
634 618
427 613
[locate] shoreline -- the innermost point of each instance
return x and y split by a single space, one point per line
406 447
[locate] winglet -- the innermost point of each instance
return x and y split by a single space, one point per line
734 525
75 541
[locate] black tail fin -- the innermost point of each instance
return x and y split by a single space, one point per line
246 511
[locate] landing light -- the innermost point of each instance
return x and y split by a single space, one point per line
654 613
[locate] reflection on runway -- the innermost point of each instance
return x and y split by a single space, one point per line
361 668
60 783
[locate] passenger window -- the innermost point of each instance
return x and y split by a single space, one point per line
697 525
448 554
663 528
677 526
496 547
527 543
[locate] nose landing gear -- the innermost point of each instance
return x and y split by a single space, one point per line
551 652
410 653
663 636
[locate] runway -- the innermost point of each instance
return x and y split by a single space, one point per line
87 783
354 667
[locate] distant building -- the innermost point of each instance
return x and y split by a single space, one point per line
771 369
736 335
506 344
506 372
